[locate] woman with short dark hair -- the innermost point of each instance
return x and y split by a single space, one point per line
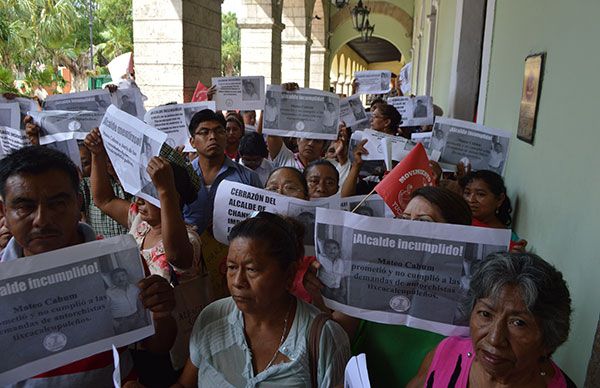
258 336
520 314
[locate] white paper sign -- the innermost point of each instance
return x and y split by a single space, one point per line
415 111
234 202
482 147
243 93
352 111
59 125
130 144
373 81
12 139
303 113
174 120
10 115
401 272
68 304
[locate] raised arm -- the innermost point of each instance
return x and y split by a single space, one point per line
102 192
178 249
349 186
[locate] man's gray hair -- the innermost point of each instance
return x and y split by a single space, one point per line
542 286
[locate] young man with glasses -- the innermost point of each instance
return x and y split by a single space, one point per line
208 137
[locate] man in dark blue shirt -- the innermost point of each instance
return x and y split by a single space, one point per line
207 131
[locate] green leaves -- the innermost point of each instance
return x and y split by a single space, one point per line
231 54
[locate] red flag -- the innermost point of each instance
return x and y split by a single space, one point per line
200 93
408 175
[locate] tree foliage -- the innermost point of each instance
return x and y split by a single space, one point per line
37 36
230 45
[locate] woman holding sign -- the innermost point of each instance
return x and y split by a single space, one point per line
389 346
258 336
520 314
166 242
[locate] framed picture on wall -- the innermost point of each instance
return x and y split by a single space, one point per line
532 82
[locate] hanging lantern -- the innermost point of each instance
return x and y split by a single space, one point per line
359 16
367 31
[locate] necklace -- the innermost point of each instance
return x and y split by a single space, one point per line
285 322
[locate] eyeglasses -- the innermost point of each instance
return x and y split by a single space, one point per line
287 189
203 132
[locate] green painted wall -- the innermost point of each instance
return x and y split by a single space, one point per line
443 49
556 181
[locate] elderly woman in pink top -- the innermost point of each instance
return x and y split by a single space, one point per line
520 313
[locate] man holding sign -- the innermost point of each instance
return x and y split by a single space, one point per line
41 202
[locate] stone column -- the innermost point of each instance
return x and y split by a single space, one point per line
260 39
176 44
319 52
296 41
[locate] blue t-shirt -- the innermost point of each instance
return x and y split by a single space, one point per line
200 212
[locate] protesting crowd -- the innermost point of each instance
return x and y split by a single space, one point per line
262 236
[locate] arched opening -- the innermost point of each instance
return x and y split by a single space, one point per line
356 55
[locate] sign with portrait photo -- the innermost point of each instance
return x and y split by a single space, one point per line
68 304
241 93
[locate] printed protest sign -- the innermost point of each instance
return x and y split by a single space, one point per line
9 115
303 113
59 125
482 147
11 139
373 81
415 111
234 202
93 100
408 175
381 147
25 105
128 100
352 111
130 144
68 304
244 93
174 120
400 272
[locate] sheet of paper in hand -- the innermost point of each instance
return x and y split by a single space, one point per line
243 93
11 140
373 81
25 105
352 111
59 125
401 272
481 147
93 100
130 144
130 101
303 113
174 120
382 146
68 304
415 111
234 202
10 115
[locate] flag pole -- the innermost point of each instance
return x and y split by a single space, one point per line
363 200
